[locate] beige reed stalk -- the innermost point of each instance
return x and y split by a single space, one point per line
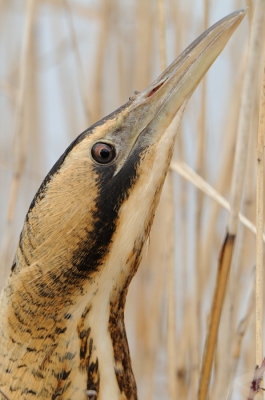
102 42
169 206
184 336
147 336
242 329
260 225
161 33
191 176
201 170
79 67
20 134
235 198
245 115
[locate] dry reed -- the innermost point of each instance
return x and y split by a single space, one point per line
260 227
89 57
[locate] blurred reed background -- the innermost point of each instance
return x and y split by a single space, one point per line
66 64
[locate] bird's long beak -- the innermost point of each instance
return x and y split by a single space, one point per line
157 105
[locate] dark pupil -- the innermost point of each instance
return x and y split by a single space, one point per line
104 153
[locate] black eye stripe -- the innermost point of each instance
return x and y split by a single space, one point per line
103 153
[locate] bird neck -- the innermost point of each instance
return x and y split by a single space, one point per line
78 333
76 308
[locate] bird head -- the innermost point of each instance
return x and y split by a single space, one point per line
98 201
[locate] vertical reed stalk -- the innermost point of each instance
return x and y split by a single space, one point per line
20 134
201 169
235 198
260 227
161 33
248 96
169 206
79 66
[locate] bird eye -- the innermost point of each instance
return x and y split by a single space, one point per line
103 153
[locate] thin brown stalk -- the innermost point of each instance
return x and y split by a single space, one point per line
214 320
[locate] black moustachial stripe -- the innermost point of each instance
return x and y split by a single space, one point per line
112 191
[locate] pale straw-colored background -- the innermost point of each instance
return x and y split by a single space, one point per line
66 64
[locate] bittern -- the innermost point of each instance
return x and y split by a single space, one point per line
62 308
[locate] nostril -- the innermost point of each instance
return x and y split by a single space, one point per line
155 89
